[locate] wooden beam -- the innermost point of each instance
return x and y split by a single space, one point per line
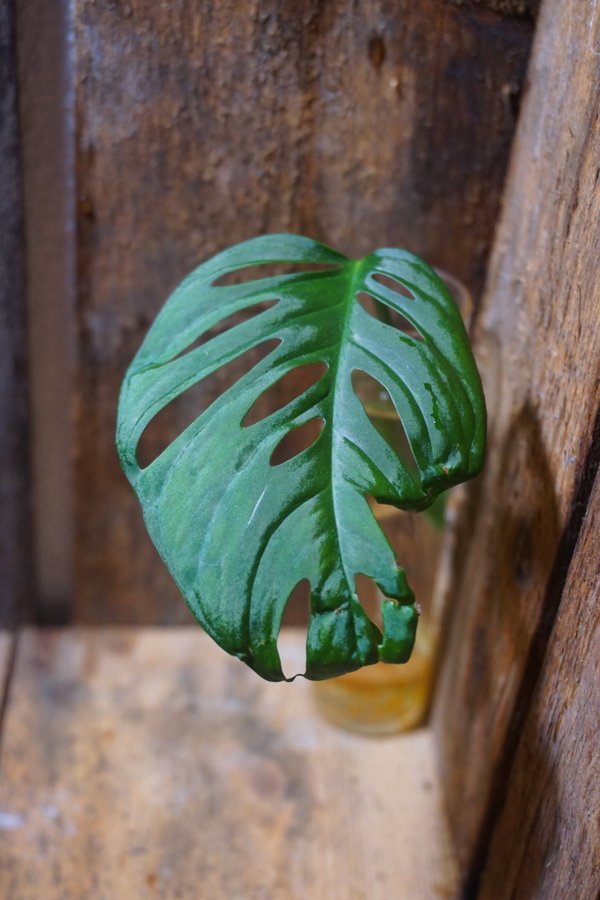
16 558
546 842
45 101
539 328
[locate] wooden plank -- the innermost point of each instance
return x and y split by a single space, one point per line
146 762
547 840
45 110
202 124
15 541
538 328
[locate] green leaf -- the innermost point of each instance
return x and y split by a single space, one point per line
236 531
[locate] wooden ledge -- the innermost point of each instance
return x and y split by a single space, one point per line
146 762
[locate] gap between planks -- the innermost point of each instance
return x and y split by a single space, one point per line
8 645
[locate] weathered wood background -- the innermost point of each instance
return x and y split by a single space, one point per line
552 788
538 329
170 130
199 124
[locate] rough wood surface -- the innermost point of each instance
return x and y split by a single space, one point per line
15 538
547 840
45 107
539 328
143 763
202 124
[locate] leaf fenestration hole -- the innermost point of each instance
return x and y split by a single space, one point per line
386 314
268 270
236 318
297 616
383 416
290 386
398 526
415 544
393 284
370 598
177 415
297 610
297 440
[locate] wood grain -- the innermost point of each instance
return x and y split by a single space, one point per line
538 328
45 111
547 840
203 124
15 479
143 763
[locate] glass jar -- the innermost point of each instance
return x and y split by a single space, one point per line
385 699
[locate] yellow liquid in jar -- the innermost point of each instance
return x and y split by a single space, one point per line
383 698
380 699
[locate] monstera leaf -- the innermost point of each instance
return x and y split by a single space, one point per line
238 531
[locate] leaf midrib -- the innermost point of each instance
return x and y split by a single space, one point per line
356 267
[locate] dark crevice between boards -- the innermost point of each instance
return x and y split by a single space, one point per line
296 440
268 270
535 659
387 315
184 409
289 387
